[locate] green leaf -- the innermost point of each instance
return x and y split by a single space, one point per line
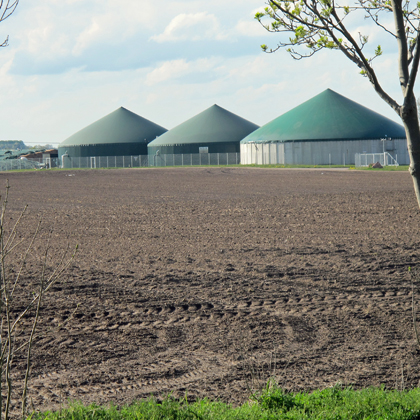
296 11
300 32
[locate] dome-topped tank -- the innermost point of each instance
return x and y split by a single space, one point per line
216 129
120 133
327 129
327 116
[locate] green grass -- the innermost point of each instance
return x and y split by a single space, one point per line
385 168
335 403
352 167
287 166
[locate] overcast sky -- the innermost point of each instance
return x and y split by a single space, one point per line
71 62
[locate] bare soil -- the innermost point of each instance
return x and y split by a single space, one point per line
212 280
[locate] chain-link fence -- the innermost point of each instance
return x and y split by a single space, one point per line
189 159
105 162
366 159
195 159
17 164
140 161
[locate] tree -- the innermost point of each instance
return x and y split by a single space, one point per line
315 25
7 7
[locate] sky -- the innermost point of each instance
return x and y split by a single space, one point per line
71 62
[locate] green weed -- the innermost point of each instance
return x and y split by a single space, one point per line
336 403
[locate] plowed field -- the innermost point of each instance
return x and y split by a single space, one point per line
212 280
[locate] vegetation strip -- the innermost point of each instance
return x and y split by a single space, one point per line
273 403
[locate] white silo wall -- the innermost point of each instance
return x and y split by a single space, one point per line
340 152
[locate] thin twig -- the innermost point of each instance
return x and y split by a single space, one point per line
31 338
414 311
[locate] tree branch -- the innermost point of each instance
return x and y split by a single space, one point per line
402 44
9 9
316 24
414 69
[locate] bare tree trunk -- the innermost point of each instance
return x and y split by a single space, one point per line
410 121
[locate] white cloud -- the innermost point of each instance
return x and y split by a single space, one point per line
192 27
175 69
43 36
168 70
119 21
250 28
54 36
63 28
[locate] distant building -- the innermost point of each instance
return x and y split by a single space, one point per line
327 129
44 158
28 159
41 154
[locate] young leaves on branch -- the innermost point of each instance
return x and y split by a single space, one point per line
314 25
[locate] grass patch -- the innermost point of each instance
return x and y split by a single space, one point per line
287 166
351 167
335 403
385 168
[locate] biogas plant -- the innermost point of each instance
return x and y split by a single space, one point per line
328 129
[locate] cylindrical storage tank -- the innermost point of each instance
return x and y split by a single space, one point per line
327 129
214 130
120 133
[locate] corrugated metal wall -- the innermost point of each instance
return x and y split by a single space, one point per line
320 152
188 148
113 149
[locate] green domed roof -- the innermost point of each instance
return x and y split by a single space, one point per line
327 116
120 126
214 125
